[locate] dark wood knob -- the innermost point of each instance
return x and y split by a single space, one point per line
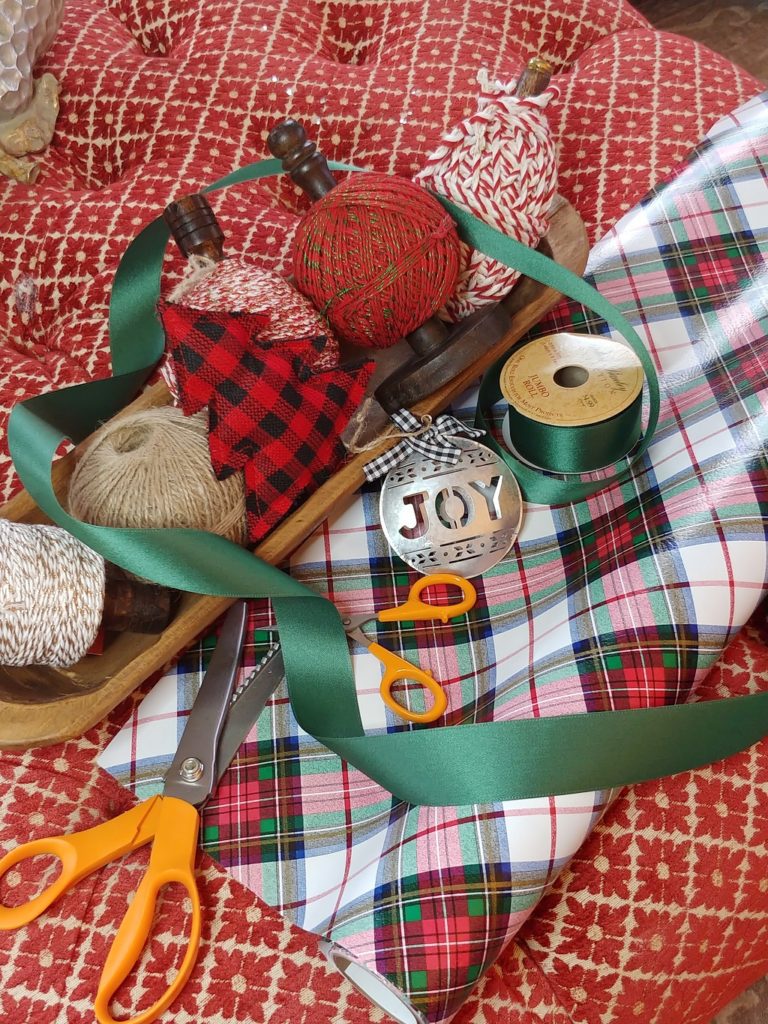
194 227
430 337
535 78
301 159
132 606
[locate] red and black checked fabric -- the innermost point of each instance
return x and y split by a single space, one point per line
271 412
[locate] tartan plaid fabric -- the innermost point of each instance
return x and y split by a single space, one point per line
271 411
623 600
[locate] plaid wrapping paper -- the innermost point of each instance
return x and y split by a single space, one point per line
623 600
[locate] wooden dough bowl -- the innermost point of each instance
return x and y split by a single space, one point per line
42 705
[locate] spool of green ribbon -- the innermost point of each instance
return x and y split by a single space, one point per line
574 402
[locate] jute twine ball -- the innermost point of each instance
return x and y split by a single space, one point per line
377 256
152 470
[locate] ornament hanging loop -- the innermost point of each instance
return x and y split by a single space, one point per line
426 437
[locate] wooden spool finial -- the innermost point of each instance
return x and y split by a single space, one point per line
133 606
308 168
301 159
194 227
535 78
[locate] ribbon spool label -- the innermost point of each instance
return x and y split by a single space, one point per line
574 402
462 518
569 380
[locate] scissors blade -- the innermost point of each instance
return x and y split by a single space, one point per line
192 774
248 705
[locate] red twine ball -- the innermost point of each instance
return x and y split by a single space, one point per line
377 255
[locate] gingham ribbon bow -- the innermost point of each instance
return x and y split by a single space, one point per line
422 435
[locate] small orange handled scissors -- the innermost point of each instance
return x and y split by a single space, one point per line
218 723
413 610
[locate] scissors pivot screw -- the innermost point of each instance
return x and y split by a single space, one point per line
191 769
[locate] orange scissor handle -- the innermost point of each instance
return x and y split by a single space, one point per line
397 668
80 853
172 860
416 610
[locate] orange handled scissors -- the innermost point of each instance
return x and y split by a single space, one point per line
413 610
218 723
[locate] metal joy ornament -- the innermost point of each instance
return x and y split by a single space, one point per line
462 518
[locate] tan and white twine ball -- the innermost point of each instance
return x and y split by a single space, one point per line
51 596
152 470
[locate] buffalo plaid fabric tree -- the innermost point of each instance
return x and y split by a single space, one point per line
275 410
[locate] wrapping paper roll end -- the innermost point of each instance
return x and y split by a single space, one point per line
373 986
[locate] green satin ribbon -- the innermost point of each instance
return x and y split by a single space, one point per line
576 450
437 765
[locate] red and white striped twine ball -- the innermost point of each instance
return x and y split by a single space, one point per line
500 163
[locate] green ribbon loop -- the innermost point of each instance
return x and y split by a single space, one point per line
437 765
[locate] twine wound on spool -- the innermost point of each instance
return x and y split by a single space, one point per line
239 285
377 256
152 470
198 269
51 596
574 402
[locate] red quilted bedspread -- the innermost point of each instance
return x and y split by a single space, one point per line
662 917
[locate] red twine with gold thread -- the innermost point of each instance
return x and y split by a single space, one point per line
377 256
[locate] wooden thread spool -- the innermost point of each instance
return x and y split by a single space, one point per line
240 284
308 168
58 594
535 78
194 227
135 606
